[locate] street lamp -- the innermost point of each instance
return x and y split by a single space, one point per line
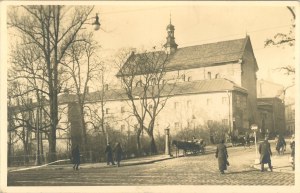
96 23
254 128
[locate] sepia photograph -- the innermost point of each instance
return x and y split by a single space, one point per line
149 96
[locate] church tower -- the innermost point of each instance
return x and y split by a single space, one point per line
171 45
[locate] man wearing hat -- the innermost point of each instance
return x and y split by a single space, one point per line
265 154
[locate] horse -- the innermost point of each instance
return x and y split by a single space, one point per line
186 146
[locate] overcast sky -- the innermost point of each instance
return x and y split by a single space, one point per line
144 26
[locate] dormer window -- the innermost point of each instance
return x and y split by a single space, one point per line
209 75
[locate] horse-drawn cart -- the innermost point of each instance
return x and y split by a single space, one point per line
189 147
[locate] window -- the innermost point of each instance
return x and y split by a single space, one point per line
107 110
122 128
153 81
176 125
224 100
122 109
209 75
189 79
139 83
188 104
44 136
217 75
238 101
150 107
183 77
224 121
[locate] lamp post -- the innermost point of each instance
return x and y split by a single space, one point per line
38 158
229 115
254 128
167 141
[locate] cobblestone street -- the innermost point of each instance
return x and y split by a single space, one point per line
190 170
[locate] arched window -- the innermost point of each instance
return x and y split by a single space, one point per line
139 83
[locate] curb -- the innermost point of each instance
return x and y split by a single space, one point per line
145 162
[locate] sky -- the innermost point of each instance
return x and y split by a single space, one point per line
144 26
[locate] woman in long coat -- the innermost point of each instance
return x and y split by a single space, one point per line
109 156
265 154
118 153
221 154
76 157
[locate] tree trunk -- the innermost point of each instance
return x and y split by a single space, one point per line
153 148
138 142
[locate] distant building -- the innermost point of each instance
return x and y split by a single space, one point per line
290 118
271 108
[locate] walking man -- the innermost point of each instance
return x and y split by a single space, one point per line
265 154
109 156
222 156
118 153
76 157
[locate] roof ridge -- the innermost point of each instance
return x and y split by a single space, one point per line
213 42
247 38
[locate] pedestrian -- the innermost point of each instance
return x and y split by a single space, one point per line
222 155
292 145
265 154
280 144
109 156
118 153
76 157
247 140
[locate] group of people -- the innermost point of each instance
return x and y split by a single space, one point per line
109 155
264 151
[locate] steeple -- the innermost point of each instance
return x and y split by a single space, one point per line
171 45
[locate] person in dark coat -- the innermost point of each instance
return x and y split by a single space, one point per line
265 154
280 144
118 153
221 154
76 157
292 145
109 156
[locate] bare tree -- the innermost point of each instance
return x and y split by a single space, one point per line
283 39
52 29
143 79
82 65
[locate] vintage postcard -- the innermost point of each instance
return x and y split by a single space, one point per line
149 96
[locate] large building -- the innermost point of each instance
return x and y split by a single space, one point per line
214 82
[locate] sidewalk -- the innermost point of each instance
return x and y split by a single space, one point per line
61 164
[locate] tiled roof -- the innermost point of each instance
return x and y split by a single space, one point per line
207 54
200 55
181 88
